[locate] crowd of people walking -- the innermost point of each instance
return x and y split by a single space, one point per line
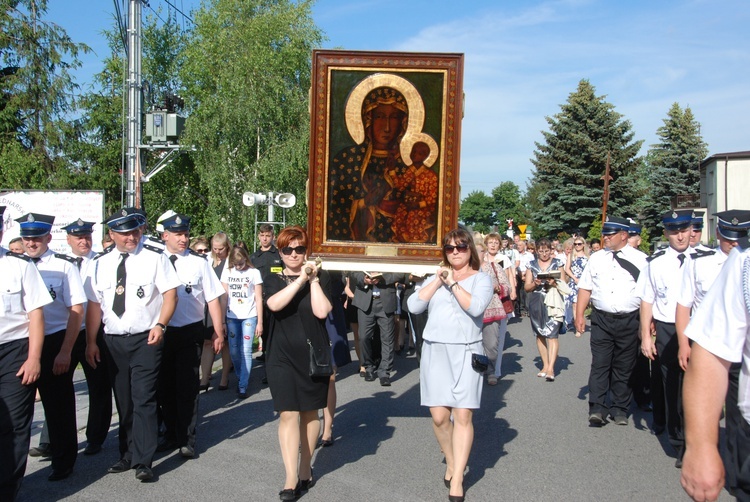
149 316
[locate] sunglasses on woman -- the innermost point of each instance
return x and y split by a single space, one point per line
288 250
201 250
448 248
578 243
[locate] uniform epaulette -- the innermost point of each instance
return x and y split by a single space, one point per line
66 258
656 255
106 250
202 255
155 239
16 255
153 248
699 253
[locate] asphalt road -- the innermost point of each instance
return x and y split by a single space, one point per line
532 443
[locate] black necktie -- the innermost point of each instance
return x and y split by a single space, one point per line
35 260
79 260
173 259
681 258
118 305
632 269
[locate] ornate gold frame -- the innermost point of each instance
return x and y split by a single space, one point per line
431 85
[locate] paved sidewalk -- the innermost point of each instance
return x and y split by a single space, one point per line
532 443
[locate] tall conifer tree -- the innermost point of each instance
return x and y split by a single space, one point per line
673 165
571 162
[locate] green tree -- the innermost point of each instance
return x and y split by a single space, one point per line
38 93
247 76
507 201
478 211
673 165
571 161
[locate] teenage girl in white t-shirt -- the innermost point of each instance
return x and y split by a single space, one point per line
242 282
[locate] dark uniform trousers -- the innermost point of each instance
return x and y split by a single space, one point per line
367 324
671 373
99 387
614 345
16 414
59 402
733 421
741 461
134 369
179 381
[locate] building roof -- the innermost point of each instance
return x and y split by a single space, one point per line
728 155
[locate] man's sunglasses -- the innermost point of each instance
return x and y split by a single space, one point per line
288 250
448 248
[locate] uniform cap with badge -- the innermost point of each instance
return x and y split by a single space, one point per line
698 220
35 224
634 228
733 224
126 219
677 219
614 224
79 227
176 223
160 221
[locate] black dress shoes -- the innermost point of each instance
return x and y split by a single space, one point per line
369 376
43 450
92 449
57 475
144 473
121 465
385 381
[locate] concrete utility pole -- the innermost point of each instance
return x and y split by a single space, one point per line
133 185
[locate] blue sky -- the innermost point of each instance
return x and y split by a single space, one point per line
523 59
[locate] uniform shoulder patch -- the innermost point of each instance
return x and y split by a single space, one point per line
656 255
153 248
699 253
106 250
16 255
66 258
200 255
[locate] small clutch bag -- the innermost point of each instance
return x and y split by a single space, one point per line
480 362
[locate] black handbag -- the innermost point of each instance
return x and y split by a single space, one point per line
480 362
320 360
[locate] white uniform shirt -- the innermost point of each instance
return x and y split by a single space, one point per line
698 275
660 282
149 275
60 275
86 264
721 324
199 286
501 260
524 259
22 290
241 287
613 288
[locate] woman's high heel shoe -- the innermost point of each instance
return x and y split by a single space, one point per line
456 498
291 493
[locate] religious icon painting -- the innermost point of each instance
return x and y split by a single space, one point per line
384 156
